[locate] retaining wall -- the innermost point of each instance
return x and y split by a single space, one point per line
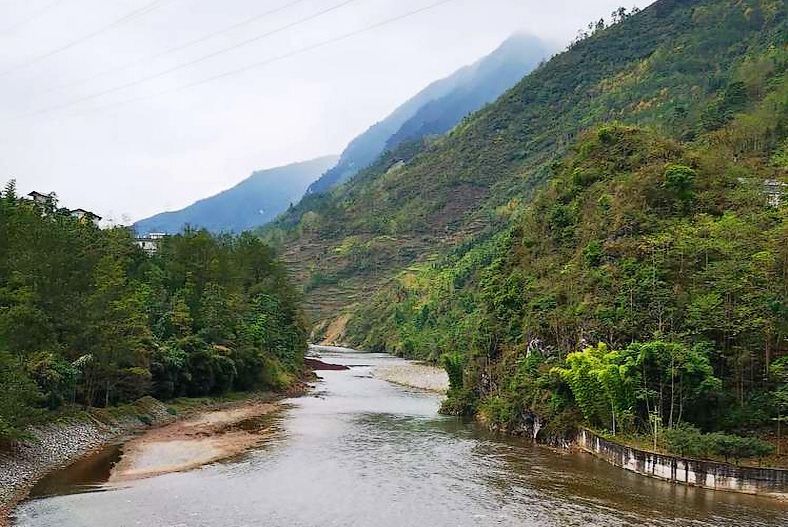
707 474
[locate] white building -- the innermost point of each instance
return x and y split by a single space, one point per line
150 243
42 199
86 216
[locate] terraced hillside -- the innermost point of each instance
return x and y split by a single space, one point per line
678 67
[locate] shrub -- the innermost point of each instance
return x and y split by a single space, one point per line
18 401
737 447
459 401
686 440
453 364
680 179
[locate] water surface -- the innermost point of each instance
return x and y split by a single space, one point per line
363 452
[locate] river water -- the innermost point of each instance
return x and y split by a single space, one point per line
364 452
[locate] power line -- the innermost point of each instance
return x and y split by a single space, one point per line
123 19
278 58
31 18
177 48
194 61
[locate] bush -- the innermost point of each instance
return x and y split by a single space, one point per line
686 440
459 401
18 401
737 447
680 179
497 411
453 364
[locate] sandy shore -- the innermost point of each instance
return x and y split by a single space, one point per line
415 375
204 438
58 444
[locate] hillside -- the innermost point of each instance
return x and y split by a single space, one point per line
439 107
605 246
253 202
674 256
682 68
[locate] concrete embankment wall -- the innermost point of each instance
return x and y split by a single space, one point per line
59 444
707 474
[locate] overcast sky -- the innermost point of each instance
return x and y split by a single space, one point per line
92 108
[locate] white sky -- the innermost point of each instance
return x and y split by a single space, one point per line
152 146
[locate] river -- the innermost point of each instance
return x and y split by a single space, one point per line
360 451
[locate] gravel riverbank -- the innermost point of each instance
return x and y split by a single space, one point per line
199 440
59 444
415 375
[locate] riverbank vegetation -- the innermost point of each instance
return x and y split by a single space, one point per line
604 246
88 318
643 291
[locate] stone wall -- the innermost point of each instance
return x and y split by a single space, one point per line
708 474
59 444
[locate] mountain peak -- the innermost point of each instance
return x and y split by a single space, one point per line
440 106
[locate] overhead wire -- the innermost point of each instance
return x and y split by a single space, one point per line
192 62
278 58
179 47
119 21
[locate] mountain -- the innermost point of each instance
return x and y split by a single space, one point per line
606 245
439 107
253 202
684 68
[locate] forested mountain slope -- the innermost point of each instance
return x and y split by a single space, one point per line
643 290
440 106
680 67
253 202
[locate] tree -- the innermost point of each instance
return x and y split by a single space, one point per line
779 374
672 375
679 179
600 381
19 400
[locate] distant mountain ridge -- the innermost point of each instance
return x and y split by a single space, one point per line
253 202
440 106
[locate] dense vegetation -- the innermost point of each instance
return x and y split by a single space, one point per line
678 67
87 318
643 288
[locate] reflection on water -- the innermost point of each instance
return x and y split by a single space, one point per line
361 452
86 475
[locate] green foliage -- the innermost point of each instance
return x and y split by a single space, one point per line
736 447
613 260
615 195
86 317
679 179
686 440
19 401
453 364
603 384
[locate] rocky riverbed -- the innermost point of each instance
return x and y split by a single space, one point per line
414 374
59 444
